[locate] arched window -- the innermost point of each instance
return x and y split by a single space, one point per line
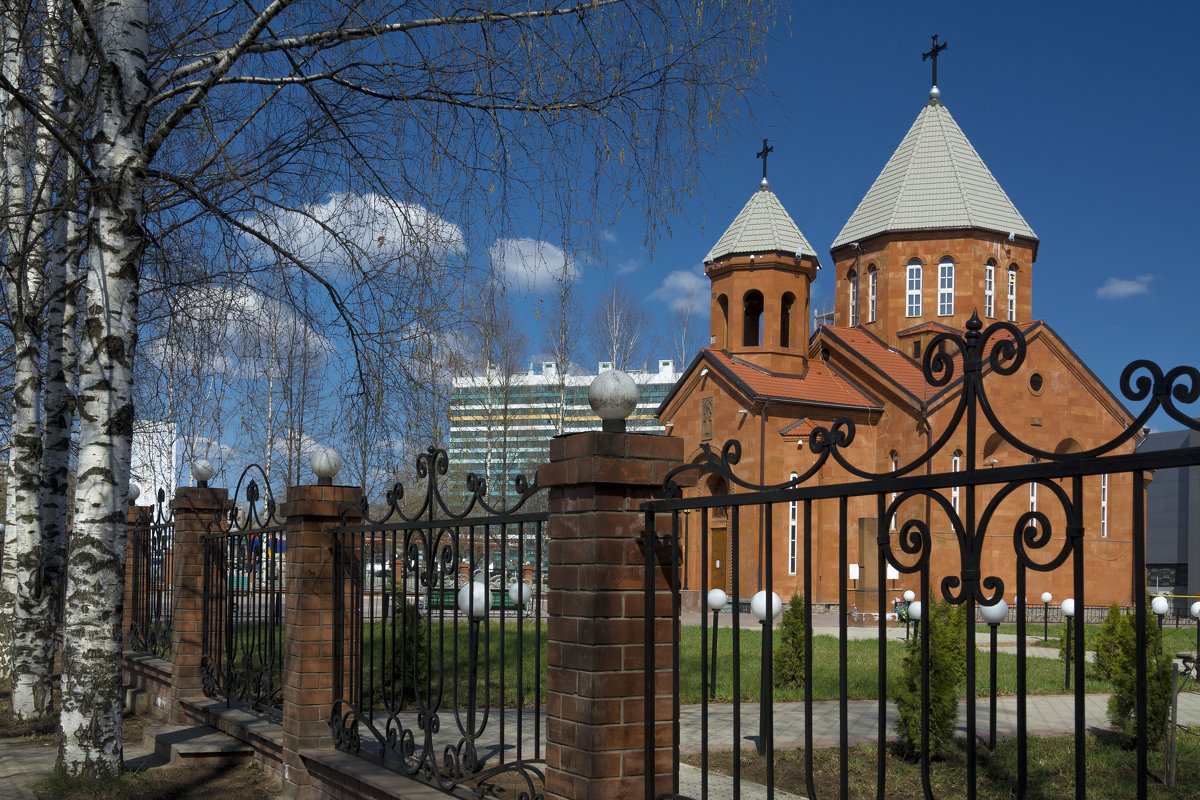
946 287
852 279
895 466
989 290
723 305
792 533
955 466
1103 506
872 292
752 317
1012 293
786 304
1033 496
912 303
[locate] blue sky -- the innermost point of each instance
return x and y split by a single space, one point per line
1087 114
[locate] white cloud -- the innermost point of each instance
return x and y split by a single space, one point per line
627 266
347 227
1117 288
531 263
682 288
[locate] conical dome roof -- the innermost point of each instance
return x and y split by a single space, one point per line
934 181
762 226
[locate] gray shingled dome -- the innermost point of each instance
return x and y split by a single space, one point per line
762 226
934 181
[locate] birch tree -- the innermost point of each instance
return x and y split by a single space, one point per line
211 120
618 329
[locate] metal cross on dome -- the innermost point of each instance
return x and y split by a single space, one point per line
763 155
933 53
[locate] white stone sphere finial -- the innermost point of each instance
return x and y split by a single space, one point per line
202 471
326 462
613 396
134 492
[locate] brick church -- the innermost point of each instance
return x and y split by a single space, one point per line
934 240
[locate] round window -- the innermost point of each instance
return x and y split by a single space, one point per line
1035 382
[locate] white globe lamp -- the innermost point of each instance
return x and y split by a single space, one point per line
759 603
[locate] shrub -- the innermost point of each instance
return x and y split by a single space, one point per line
790 657
1122 705
945 625
1113 635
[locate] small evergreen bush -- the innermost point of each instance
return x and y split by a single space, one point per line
1114 634
791 654
946 627
1122 705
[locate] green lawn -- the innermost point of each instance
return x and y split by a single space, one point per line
450 656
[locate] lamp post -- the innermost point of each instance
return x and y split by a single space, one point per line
716 601
915 610
474 599
993 615
909 596
1068 609
1196 616
1046 600
519 593
687 514
1159 606
765 609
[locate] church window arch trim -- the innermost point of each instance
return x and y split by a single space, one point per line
912 304
989 290
852 281
872 293
946 287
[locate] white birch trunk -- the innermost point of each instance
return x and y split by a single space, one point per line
27 641
91 696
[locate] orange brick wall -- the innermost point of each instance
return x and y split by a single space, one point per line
890 254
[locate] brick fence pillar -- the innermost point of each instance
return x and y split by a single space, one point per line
198 511
309 590
135 517
596 656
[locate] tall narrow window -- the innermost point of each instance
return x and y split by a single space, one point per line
1103 506
1012 294
785 319
946 287
989 290
853 281
752 317
913 295
895 466
1033 496
792 534
955 465
872 292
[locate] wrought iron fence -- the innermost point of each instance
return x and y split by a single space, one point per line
242 628
152 542
439 636
1040 543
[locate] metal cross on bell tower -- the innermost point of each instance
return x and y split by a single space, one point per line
933 53
763 155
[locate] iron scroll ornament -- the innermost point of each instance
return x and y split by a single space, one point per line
1001 348
431 466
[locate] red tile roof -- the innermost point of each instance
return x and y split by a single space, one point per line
893 364
819 384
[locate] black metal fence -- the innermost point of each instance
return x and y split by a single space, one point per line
439 634
907 546
152 541
242 629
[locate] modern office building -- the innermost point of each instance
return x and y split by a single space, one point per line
1173 523
501 425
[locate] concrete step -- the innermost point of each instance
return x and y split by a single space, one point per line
195 745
